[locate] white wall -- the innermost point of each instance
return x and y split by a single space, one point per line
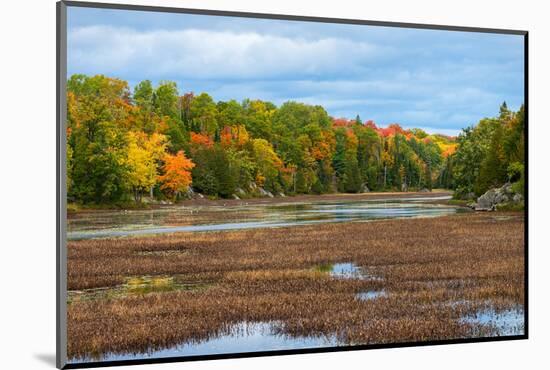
27 186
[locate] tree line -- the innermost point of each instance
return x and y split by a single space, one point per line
122 145
488 155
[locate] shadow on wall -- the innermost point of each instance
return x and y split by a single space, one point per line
46 358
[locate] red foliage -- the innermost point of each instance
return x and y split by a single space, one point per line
341 122
370 124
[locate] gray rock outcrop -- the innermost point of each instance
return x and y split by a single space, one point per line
493 197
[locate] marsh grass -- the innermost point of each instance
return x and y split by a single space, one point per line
434 272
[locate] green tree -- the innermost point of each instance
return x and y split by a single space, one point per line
204 114
493 168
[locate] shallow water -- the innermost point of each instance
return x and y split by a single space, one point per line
242 337
507 322
104 224
136 285
370 294
264 336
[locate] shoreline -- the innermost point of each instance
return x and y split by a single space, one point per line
293 199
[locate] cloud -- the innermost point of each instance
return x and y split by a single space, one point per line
195 53
437 80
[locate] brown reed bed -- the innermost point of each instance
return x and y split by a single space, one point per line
434 272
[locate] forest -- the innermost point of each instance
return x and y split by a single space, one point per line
154 143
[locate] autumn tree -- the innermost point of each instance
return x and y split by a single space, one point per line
98 109
268 165
144 154
121 145
176 176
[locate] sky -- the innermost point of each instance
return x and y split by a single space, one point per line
440 81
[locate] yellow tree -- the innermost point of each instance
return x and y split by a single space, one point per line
144 154
177 173
268 163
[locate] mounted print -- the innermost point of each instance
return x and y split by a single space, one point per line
237 184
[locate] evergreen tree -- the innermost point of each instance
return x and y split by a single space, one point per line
492 171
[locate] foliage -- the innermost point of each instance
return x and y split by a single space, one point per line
177 175
122 145
488 154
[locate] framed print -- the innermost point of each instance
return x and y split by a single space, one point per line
236 184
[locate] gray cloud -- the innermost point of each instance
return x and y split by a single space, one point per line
438 80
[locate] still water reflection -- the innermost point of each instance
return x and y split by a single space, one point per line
104 224
241 337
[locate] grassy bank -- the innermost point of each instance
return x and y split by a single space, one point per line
433 271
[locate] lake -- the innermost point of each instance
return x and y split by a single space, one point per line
170 219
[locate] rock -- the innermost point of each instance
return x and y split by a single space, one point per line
365 188
517 198
241 191
487 201
235 196
282 195
425 190
265 193
507 188
496 196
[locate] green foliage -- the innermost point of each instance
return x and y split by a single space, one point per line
118 144
165 99
204 114
492 171
213 173
488 155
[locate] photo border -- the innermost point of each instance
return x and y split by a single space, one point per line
61 186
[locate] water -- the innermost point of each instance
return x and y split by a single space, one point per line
136 285
370 295
346 270
242 337
105 224
507 322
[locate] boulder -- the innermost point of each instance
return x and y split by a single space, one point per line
264 193
235 196
517 198
365 189
496 196
487 201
